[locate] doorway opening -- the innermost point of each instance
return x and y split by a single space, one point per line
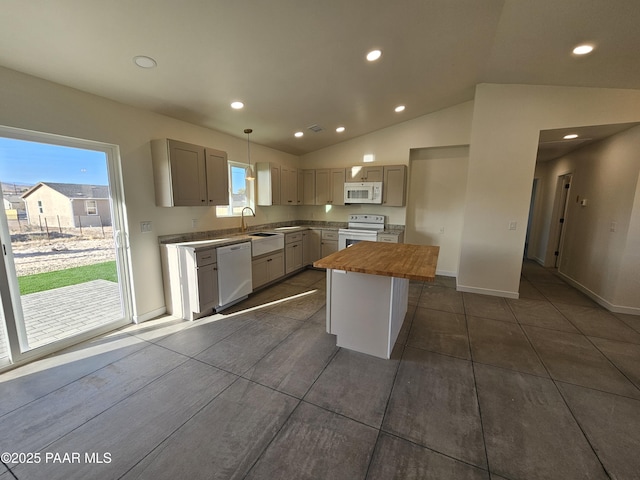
532 205
64 267
563 190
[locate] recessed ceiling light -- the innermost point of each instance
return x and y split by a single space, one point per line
298 134
399 108
144 62
340 129
374 55
570 136
237 105
583 49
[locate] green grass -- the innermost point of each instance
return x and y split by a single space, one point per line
70 276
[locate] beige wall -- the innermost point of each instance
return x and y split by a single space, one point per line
629 273
435 211
507 120
602 262
502 127
34 104
391 145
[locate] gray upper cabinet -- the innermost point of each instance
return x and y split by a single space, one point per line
330 186
288 185
394 186
364 174
268 183
187 175
308 187
300 190
217 177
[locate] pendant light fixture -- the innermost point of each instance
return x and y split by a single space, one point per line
249 175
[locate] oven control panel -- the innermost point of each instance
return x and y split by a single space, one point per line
366 218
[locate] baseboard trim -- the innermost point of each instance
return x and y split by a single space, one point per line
446 273
598 299
150 315
539 261
487 291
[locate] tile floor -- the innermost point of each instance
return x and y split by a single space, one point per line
547 386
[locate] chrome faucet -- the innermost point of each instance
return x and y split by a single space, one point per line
243 226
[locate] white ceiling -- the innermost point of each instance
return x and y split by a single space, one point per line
551 143
295 63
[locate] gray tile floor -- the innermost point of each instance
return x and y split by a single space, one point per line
547 386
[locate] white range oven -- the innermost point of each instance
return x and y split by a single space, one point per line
360 227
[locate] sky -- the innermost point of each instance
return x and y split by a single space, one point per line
25 162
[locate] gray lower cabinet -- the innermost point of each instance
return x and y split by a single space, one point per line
191 280
206 295
311 240
391 237
329 243
293 252
267 268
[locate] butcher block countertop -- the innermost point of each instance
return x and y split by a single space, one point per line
401 260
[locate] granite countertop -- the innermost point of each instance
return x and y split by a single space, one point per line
214 242
233 235
401 260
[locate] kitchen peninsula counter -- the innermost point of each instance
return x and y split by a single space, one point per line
368 292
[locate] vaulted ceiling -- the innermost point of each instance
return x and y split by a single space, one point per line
298 63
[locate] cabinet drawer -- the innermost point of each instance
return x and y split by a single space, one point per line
293 237
387 237
206 257
329 235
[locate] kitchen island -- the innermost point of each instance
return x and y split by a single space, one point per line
368 292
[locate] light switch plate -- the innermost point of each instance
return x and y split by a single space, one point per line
146 227
513 225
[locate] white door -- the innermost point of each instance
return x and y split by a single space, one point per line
64 272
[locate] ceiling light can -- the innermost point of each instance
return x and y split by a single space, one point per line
583 49
340 129
570 136
374 55
399 108
237 105
144 62
298 134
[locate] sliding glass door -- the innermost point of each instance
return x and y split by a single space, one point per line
64 250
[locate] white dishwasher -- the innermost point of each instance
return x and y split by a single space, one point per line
234 274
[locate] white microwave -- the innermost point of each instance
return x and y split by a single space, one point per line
363 192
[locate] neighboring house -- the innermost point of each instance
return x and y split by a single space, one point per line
68 205
13 207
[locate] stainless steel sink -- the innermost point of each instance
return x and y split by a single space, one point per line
262 234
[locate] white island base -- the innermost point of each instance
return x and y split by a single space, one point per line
365 311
